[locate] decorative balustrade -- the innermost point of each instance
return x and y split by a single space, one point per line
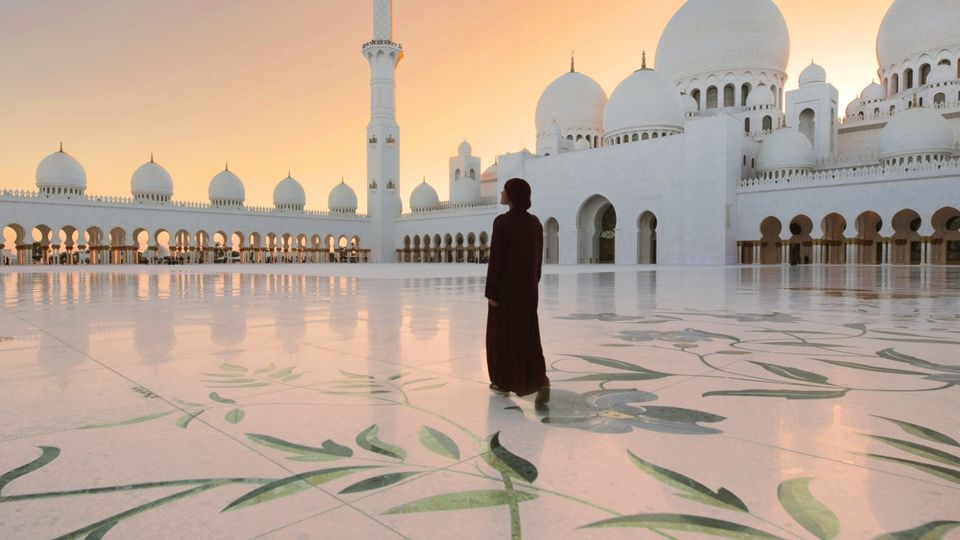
447 208
852 175
885 115
180 205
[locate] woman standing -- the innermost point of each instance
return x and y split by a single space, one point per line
514 354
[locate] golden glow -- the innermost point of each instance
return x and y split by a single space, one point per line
271 86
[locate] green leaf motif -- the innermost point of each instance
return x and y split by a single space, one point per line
463 500
129 421
617 364
216 397
354 375
185 420
922 432
247 385
615 377
369 439
232 367
935 530
867 367
796 498
693 490
234 416
439 443
47 454
733 352
919 450
267 369
421 379
792 373
230 381
935 470
290 486
428 387
328 451
293 377
378 482
686 523
785 394
891 354
506 462
280 373
101 531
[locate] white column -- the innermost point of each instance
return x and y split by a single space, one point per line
924 251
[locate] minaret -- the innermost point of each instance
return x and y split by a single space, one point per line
383 133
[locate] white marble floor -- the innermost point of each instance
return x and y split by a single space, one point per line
739 402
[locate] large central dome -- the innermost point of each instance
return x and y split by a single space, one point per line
710 36
912 27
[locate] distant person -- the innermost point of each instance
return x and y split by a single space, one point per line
515 360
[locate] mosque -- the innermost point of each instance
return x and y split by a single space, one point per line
709 159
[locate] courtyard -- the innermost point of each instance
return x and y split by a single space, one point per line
351 401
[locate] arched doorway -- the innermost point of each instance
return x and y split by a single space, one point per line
647 238
869 241
801 243
770 240
834 242
551 242
808 124
945 242
597 225
907 247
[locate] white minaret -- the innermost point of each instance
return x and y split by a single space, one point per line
383 133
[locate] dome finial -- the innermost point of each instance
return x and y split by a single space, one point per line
572 66
151 157
61 147
643 61
289 175
226 165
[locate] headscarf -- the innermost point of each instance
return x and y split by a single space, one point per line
518 191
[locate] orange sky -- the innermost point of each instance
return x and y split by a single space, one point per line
270 85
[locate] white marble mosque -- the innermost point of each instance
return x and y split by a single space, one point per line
712 158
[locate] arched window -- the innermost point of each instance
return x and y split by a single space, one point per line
908 79
635 137
893 109
876 112
895 84
808 124
696 96
473 174
712 97
655 135
924 74
456 174
860 115
744 92
776 97
767 123
729 95
746 129
645 136
940 99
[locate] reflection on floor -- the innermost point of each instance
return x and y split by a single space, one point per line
746 402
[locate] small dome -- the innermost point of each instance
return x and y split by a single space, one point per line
424 197
942 73
61 170
151 179
491 173
872 92
707 36
464 149
812 74
761 96
289 193
689 104
582 144
342 199
785 148
912 27
226 186
644 100
574 101
853 106
916 131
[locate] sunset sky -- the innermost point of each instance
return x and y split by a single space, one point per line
271 85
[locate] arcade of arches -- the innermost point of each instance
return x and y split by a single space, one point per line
472 248
859 242
70 245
